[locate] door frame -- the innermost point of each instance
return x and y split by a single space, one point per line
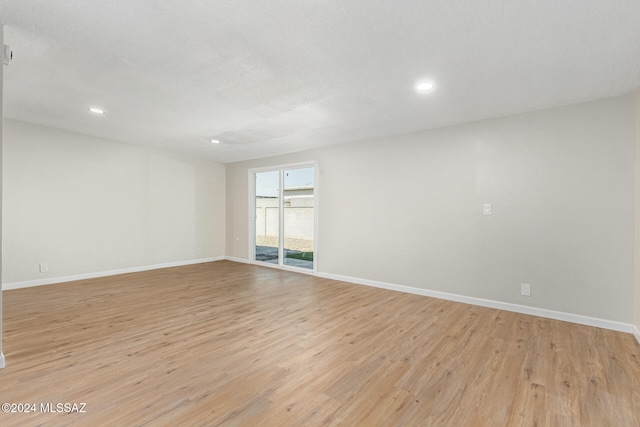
252 215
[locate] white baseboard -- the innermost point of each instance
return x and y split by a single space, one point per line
274 266
234 259
54 280
551 314
541 312
517 308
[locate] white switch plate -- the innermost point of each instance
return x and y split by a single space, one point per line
44 268
525 289
486 209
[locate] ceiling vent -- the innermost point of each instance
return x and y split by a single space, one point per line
8 55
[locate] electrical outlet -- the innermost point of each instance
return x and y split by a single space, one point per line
486 209
525 289
44 267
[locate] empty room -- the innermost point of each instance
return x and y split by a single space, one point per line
296 213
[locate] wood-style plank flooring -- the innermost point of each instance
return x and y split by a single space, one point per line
231 344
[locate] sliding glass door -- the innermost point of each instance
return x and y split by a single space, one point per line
298 219
284 213
267 230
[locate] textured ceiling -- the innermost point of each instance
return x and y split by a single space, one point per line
271 77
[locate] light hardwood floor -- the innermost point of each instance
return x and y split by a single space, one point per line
232 344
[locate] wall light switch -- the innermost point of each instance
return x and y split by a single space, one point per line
486 209
44 268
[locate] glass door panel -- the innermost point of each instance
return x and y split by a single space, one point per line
298 217
267 216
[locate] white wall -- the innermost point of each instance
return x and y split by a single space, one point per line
562 186
1 203
86 205
636 293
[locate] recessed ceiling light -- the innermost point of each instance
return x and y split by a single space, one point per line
424 86
97 110
214 141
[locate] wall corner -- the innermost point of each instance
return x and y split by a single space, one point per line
1 117
636 258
